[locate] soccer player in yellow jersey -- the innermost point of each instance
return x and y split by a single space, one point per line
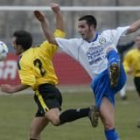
36 71
132 65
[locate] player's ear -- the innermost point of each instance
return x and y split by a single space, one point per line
92 27
20 48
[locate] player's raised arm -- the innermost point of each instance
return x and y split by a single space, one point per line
134 27
59 19
48 34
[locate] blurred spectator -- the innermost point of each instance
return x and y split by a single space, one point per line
122 49
132 65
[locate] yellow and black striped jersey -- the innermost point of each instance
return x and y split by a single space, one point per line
35 64
132 62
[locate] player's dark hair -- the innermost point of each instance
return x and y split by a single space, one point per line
23 38
91 20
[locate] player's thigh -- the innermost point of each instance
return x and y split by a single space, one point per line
47 97
107 113
38 124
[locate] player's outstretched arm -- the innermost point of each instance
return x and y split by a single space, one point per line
59 19
48 34
13 89
134 27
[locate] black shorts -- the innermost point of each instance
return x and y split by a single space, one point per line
47 97
137 83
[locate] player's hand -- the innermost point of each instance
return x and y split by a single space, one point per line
39 15
7 88
55 7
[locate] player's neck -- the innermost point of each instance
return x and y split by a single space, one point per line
93 37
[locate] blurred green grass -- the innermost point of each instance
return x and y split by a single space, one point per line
17 112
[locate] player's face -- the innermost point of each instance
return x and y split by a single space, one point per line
16 47
87 32
138 42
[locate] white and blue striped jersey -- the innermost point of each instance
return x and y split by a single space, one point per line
92 55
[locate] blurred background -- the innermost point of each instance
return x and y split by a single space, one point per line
68 71
13 20
17 111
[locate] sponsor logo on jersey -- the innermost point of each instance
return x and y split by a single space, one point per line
95 55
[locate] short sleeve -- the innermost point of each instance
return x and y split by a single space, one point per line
115 34
49 49
70 46
59 33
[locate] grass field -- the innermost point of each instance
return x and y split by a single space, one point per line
17 111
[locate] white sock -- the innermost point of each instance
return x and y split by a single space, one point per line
123 91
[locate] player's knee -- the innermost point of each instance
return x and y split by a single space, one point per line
108 125
53 116
55 121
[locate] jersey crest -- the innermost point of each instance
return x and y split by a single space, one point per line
102 40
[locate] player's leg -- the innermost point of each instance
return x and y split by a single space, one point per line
49 100
57 118
37 126
39 122
123 93
113 64
107 116
137 86
74 114
106 109
99 85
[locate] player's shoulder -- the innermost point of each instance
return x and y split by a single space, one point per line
115 29
25 57
44 46
45 43
132 52
106 33
22 61
76 39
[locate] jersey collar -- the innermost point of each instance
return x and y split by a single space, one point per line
95 38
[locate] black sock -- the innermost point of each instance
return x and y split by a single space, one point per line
73 114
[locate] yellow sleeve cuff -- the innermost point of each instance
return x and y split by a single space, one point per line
59 33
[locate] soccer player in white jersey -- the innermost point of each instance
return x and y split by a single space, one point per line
97 53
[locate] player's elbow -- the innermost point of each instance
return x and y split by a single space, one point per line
52 41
